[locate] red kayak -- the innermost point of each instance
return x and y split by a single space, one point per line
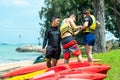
73 79
29 69
36 67
71 65
73 68
25 70
55 78
93 76
96 68
32 68
78 76
100 68
56 75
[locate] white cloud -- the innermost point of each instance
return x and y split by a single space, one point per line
21 2
14 2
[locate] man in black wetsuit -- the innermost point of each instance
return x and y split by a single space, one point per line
52 37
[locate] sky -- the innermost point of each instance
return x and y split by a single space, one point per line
19 21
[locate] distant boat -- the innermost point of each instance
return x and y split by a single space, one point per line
4 44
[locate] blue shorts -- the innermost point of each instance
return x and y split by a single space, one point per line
89 39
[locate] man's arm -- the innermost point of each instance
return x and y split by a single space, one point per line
45 40
84 25
73 25
78 30
97 23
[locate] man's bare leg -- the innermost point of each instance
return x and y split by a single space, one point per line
88 51
66 61
79 58
54 62
48 62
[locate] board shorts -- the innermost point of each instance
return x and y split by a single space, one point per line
53 52
89 39
70 45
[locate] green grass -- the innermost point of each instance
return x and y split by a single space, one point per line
113 59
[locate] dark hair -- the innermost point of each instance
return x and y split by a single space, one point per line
87 11
55 17
74 15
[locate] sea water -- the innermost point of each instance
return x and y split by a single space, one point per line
9 54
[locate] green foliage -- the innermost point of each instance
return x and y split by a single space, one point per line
112 12
63 8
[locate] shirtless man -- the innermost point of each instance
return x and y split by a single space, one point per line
69 44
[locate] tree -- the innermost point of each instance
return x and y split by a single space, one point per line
105 12
113 15
100 45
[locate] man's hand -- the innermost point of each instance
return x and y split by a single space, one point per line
43 50
97 23
80 28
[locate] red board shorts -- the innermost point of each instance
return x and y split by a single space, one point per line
70 45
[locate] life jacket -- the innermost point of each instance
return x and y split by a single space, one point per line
92 27
65 28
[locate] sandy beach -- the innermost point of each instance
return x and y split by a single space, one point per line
6 67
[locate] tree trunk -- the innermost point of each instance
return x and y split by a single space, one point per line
100 44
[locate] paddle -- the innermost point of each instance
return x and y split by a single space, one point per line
40 58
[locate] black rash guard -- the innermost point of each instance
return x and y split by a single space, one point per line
52 36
